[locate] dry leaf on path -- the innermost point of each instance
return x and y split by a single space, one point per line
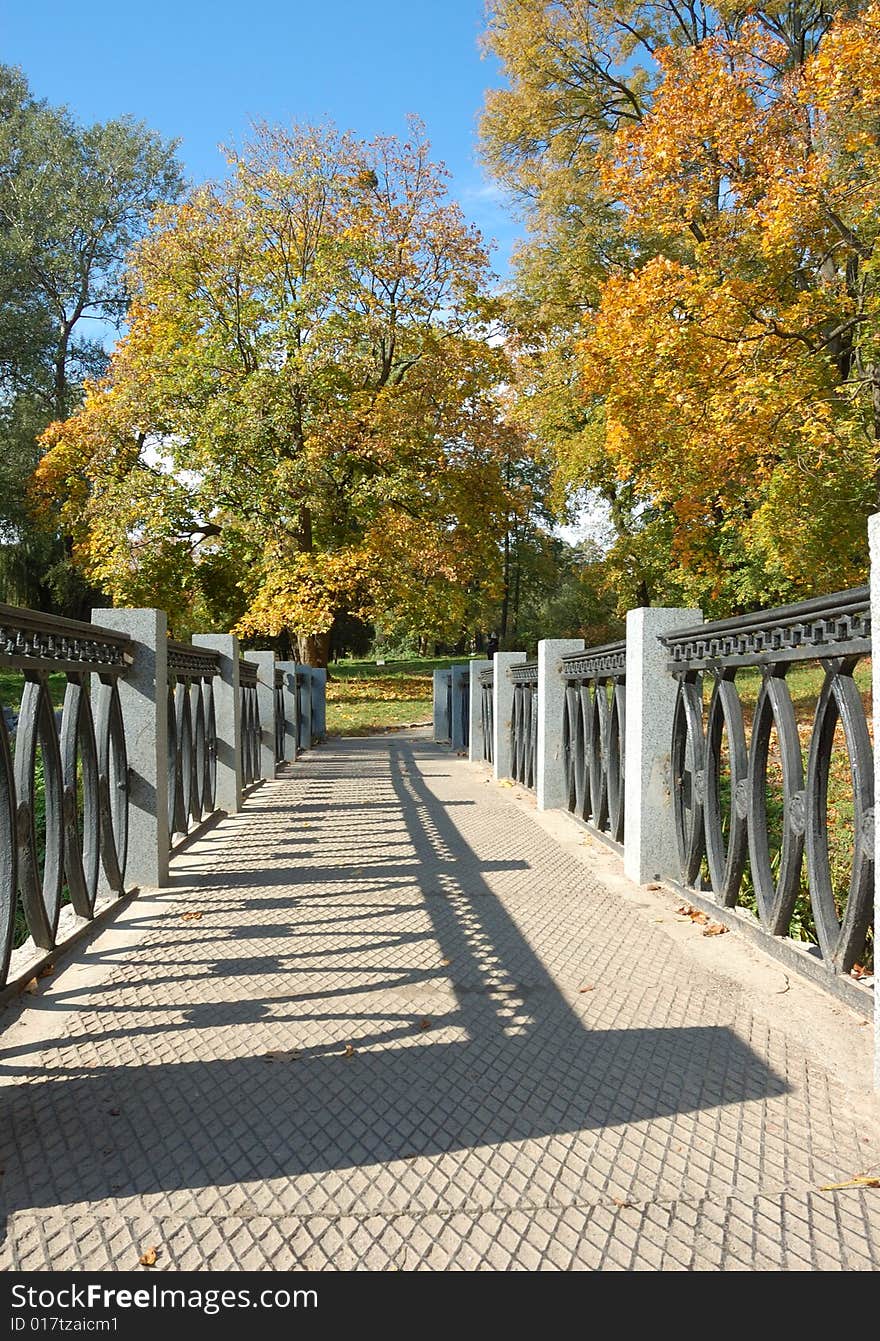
424 1024
349 1050
624 1205
861 1180
47 971
32 986
149 1257
695 914
589 988
190 917
715 929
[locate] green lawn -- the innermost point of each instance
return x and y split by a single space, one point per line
363 698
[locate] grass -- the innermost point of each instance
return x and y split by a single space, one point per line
364 699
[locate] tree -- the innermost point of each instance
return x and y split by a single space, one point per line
708 175
73 201
306 396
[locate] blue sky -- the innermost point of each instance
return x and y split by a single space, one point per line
201 71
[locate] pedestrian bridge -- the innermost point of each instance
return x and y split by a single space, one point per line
390 1016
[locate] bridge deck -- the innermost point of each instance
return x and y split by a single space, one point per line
385 1018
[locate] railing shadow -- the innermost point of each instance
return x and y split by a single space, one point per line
460 1035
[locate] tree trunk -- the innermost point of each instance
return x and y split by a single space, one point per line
314 649
505 604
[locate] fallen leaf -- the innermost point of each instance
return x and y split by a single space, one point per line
349 1050
148 1259
624 1205
444 962
190 917
589 988
32 986
695 914
50 969
715 929
424 1024
859 971
505 782
862 1180
654 885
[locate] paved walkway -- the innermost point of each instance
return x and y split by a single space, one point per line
357 1032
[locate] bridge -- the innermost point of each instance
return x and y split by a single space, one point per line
382 1011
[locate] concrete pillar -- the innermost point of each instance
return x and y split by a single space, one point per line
475 744
227 710
874 544
460 686
291 742
502 711
319 702
143 696
265 663
305 705
649 850
442 724
549 764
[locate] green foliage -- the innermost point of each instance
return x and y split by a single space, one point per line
73 201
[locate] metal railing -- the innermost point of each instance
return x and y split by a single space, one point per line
524 723
279 715
487 712
65 780
63 787
192 736
251 730
727 820
594 736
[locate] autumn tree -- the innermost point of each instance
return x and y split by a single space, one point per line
697 299
304 413
73 201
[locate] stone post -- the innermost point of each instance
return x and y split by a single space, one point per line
143 696
649 850
549 764
265 663
475 744
227 710
502 711
874 544
460 685
305 706
319 702
442 724
291 744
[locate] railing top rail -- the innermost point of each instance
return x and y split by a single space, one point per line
524 672
194 663
838 624
248 671
30 640
607 659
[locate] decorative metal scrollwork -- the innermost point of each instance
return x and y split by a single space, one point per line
594 737
524 723
278 706
726 822
250 723
63 785
487 713
192 736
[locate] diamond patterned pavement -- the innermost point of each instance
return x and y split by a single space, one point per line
373 1050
